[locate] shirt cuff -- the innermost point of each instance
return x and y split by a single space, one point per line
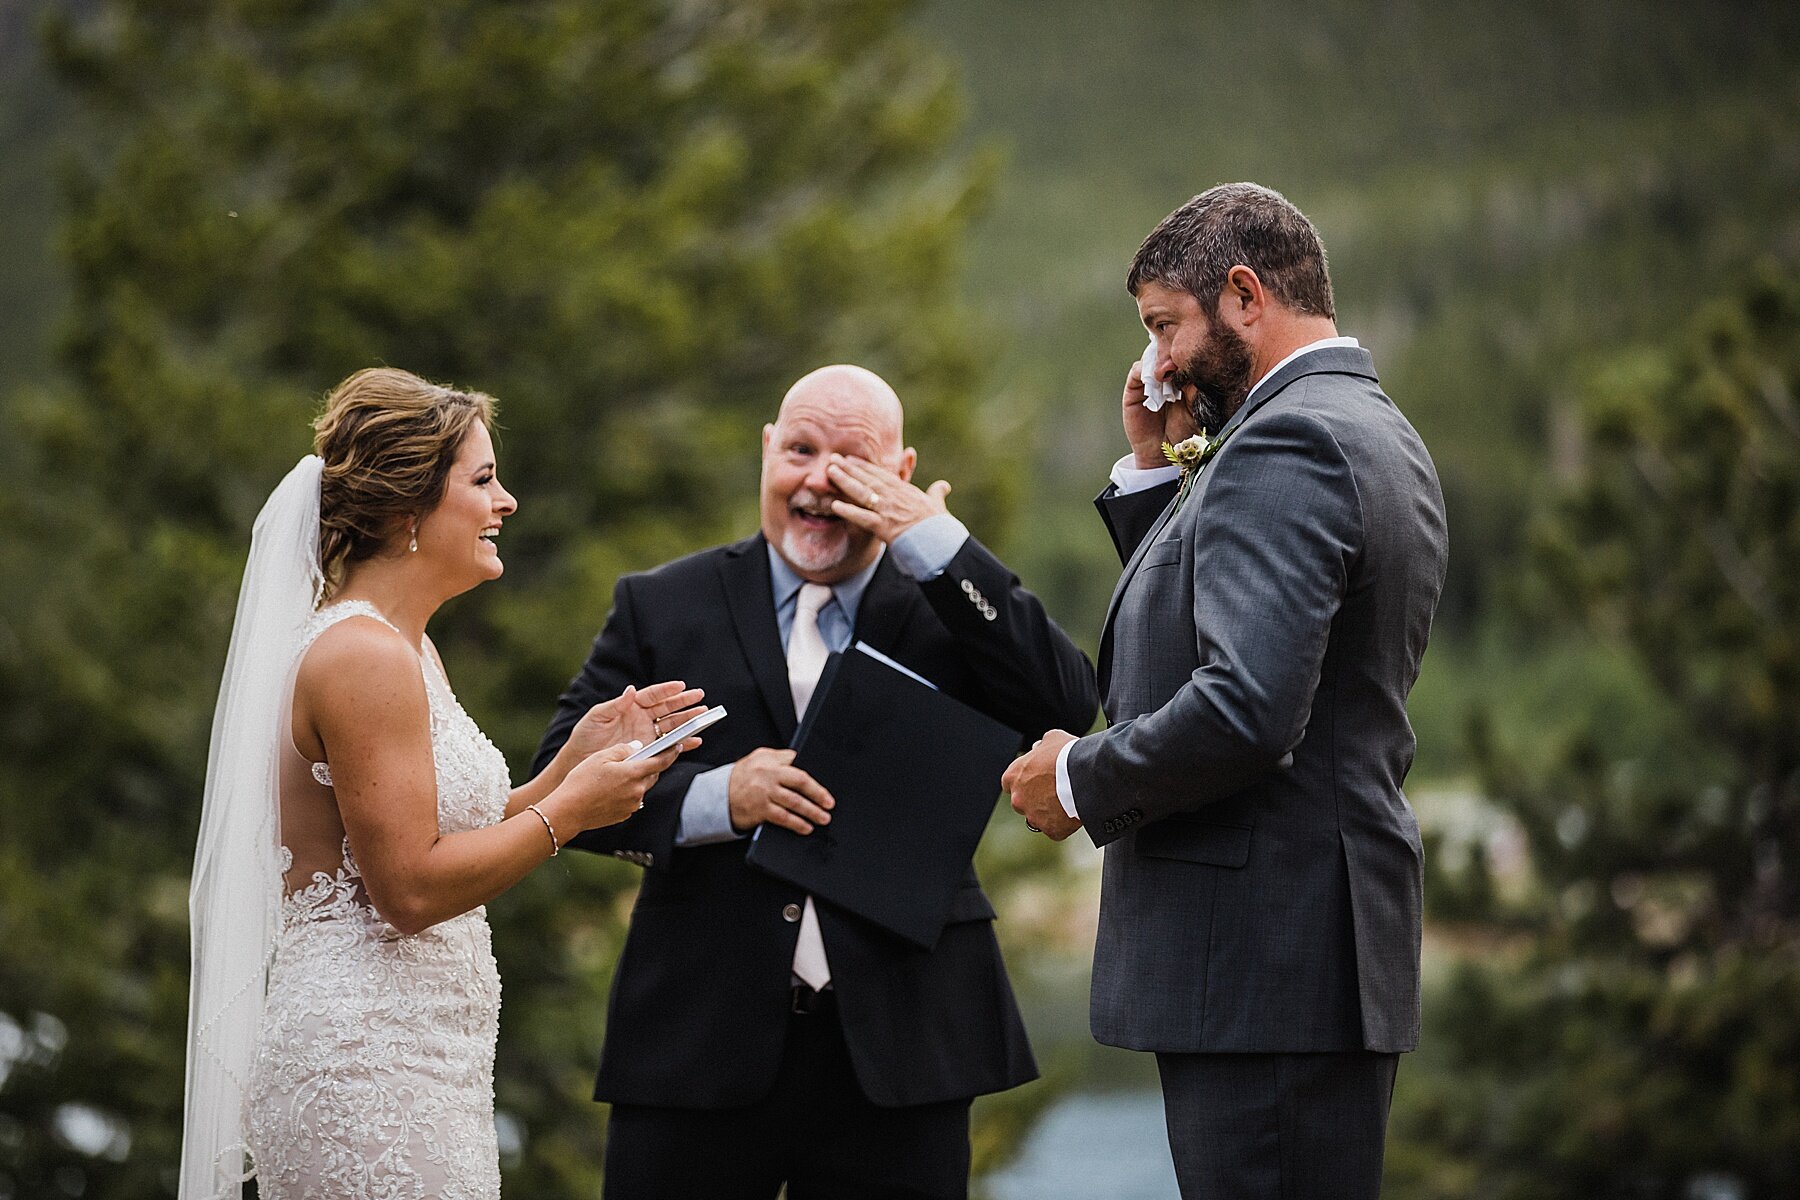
1128 478
1064 791
927 548
706 809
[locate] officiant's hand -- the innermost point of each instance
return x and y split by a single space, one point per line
1146 430
637 714
768 789
1031 782
876 499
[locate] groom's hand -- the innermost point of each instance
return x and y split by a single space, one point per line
766 788
1031 781
1146 430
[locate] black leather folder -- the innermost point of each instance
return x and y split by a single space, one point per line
915 774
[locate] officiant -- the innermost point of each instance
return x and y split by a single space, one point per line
758 1036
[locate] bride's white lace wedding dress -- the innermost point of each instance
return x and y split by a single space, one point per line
374 1068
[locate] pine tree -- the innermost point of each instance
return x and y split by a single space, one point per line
1637 1036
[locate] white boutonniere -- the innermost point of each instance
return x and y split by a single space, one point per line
1192 456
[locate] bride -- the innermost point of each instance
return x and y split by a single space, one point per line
345 1001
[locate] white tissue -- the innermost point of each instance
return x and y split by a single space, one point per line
1156 392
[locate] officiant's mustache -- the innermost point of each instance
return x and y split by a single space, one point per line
815 504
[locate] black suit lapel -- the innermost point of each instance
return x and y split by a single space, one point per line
749 595
887 607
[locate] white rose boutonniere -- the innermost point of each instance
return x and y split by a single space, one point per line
1192 456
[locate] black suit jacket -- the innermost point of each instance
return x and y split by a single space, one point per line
700 998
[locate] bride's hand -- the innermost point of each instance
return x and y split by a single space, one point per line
637 714
604 789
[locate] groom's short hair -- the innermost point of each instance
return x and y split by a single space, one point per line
1194 248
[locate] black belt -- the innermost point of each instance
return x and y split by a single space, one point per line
807 1003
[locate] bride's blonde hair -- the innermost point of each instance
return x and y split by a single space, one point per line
388 439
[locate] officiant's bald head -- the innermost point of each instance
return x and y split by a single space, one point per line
850 392
840 409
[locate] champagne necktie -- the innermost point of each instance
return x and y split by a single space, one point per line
806 655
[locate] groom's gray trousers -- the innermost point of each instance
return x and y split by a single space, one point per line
1281 1126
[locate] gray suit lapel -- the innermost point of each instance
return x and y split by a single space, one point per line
1103 670
1150 539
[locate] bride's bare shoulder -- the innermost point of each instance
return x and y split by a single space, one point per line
360 661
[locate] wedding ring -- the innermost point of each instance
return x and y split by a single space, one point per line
656 724
1032 827
874 499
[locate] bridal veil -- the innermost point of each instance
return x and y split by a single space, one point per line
234 900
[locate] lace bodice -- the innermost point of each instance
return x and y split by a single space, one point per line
375 1057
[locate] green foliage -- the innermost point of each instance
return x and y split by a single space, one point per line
634 222
1680 544
1636 1034
32 111
1509 191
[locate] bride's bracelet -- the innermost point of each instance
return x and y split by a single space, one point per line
555 846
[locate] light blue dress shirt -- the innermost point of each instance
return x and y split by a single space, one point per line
922 553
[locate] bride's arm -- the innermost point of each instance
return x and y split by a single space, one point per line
362 691
639 714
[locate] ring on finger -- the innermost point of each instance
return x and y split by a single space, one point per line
656 724
874 499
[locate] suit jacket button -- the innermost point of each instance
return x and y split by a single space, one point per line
791 913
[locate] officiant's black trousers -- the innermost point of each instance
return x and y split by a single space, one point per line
1280 1126
816 1132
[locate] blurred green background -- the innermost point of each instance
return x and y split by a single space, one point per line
1569 234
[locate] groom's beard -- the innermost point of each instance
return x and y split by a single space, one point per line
1219 373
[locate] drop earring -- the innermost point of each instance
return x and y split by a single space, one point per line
413 545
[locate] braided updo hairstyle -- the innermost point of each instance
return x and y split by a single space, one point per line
388 439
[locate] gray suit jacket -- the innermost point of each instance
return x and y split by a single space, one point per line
1262 881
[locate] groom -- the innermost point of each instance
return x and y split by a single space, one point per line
1260 906
756 1037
